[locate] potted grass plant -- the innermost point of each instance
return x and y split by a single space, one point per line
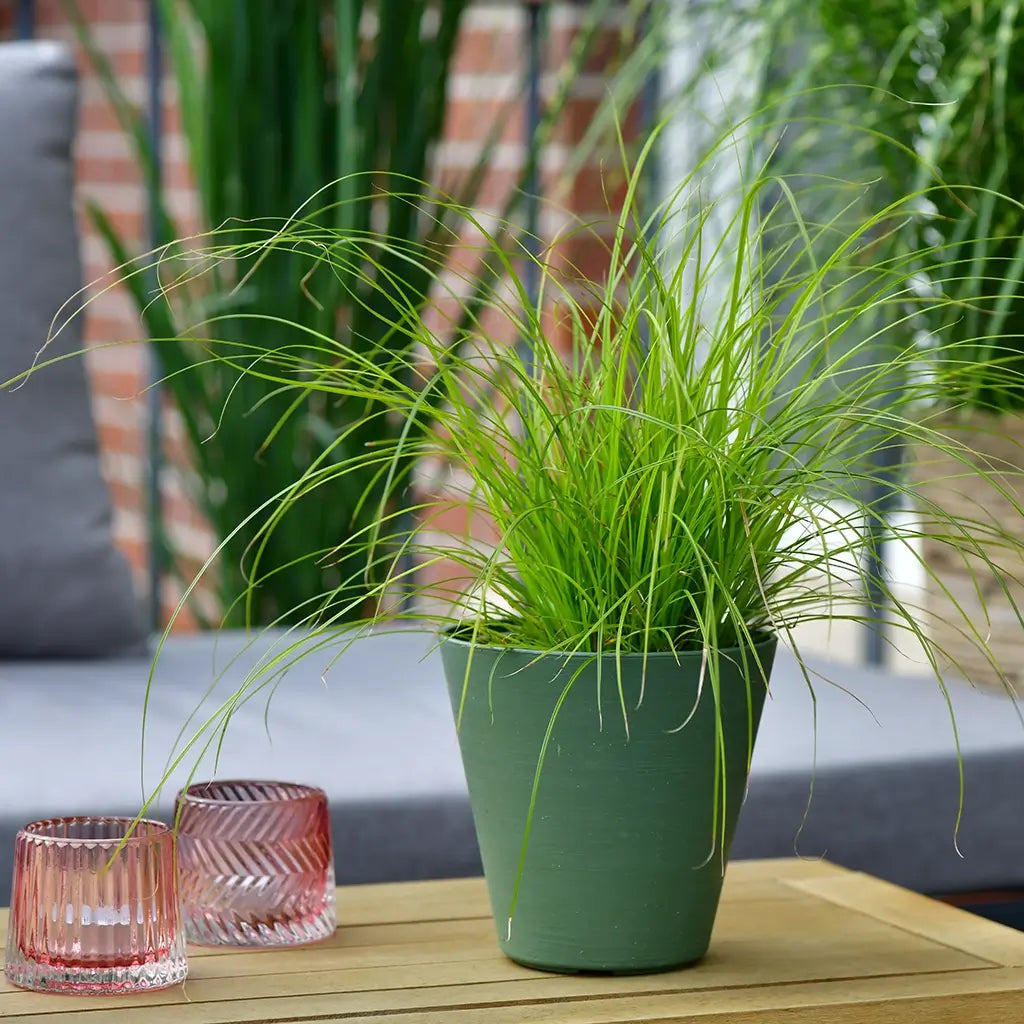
667 459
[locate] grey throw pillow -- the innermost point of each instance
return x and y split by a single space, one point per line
65 590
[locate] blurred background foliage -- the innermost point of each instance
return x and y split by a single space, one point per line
282 100
313 107
924 95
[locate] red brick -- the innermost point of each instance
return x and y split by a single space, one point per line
561 325
171 115
453 517
129 62
97 116
125 440
50 12
583 255
442 581
107 170
579 114
103 330
126 495
595 190
137 551
494 190
185 620
117 384
177 174
130 224
480 50
473 120
608 48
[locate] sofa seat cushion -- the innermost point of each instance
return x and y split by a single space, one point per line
375 730
886 778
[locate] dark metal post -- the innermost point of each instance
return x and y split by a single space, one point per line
534 112
884 499
650 111
154 71
650 114
26 19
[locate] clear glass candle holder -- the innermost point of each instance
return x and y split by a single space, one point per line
255 864
93 912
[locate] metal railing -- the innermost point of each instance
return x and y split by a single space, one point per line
26 19
154 396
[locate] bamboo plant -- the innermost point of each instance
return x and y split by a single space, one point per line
282 100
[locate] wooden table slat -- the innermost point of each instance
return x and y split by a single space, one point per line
795 941
921 916
973 997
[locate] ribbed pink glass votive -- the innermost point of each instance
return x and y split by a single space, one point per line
255 864
87 917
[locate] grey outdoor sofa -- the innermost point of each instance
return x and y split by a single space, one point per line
373 728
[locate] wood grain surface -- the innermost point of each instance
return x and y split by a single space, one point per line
799 942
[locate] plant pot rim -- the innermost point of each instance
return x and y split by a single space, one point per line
762 639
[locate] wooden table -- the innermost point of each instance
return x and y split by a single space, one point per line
800 942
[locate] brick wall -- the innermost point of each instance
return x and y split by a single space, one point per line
488 70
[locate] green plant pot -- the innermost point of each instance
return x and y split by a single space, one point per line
623 866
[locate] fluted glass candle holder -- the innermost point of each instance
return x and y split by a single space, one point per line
93 912
255 864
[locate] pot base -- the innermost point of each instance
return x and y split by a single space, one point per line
609 973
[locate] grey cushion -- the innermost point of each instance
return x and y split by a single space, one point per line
886 784
64 589
377 735
375 730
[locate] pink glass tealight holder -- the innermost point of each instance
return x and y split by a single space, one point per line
93 912
255 864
